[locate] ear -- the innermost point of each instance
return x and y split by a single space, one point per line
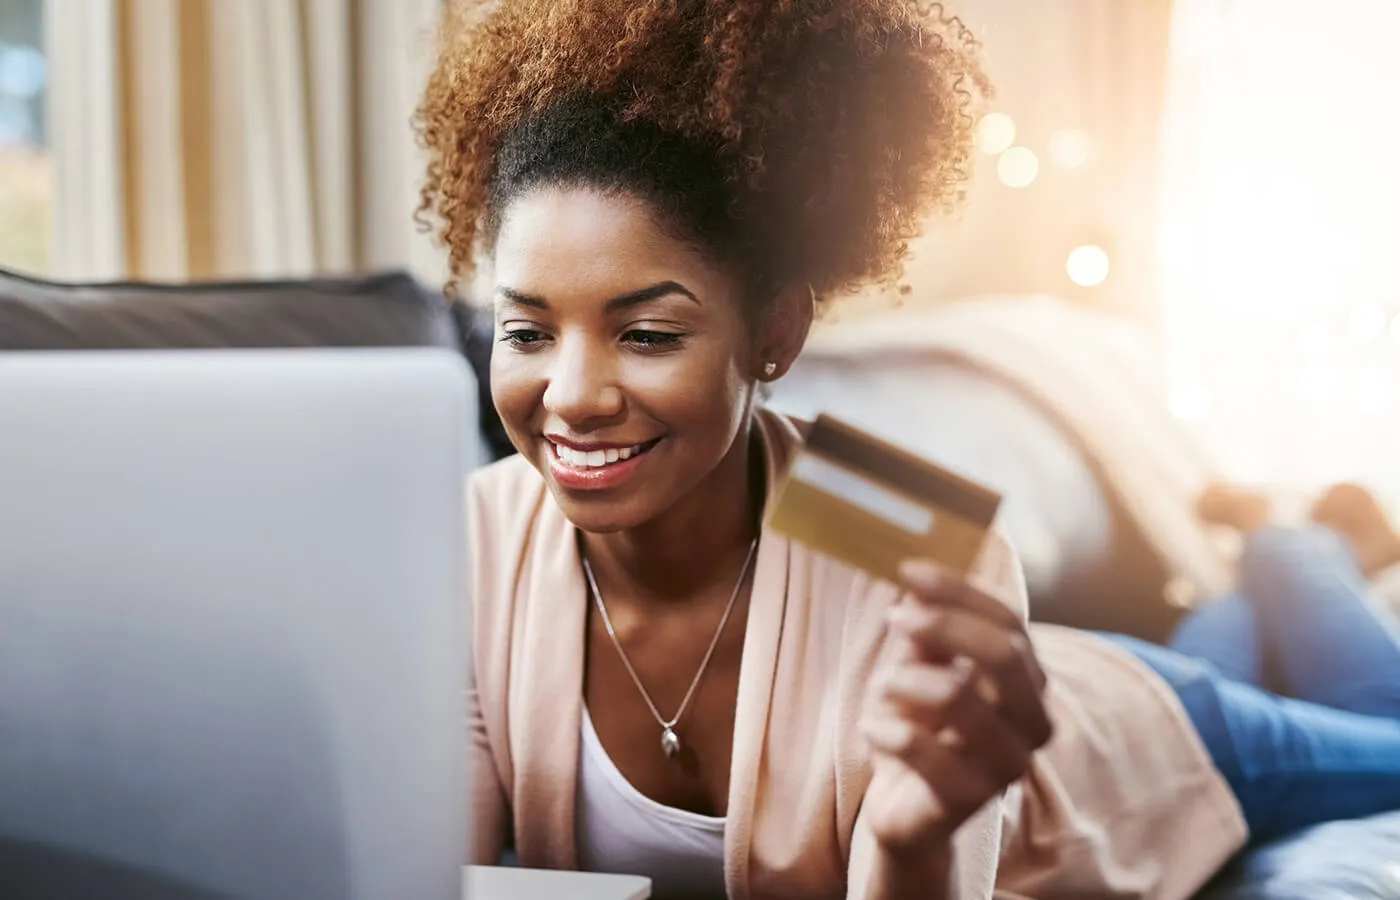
783 331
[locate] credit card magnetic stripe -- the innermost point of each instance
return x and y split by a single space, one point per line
863 492
869 540
906 473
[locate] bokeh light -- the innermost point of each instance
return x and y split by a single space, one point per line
1018 167
1190 403
995 133
1087 265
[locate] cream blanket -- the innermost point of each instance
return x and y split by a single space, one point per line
1096 374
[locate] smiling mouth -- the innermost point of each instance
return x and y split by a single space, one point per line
599 459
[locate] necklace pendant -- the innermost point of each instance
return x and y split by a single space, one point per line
670 743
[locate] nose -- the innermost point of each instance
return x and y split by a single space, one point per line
583 389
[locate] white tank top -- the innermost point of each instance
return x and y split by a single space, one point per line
622 831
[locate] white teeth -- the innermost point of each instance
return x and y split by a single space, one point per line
594 459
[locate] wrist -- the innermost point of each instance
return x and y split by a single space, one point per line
922 870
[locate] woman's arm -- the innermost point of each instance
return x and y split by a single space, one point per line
494 536
963 869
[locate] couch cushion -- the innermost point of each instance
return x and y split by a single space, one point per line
389 309
478 329
1356 860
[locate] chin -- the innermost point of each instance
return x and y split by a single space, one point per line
598 515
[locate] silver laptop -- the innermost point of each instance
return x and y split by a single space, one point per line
232 629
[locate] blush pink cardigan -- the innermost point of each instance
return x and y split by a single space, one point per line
1122 803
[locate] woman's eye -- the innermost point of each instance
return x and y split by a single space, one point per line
523 337
651 340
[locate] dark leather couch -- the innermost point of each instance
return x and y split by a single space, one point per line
388 309
1098 572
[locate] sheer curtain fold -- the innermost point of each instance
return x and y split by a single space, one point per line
80 38
1281 217
230 139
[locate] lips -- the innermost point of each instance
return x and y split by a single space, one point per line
595 468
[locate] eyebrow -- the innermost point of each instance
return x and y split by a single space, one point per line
620 302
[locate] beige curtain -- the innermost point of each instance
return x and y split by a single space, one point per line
237 138
1093 67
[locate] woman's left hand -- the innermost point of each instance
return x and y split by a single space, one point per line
956 714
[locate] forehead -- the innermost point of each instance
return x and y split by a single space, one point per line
582 239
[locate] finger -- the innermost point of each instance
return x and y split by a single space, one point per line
959 782
937 585
947 704
1003 657
928 627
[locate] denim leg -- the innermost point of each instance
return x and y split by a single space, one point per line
1225 634
1290 763
1327 640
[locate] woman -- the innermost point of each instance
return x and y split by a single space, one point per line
1300 625
661 207
665 190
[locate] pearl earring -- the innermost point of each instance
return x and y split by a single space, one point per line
769 368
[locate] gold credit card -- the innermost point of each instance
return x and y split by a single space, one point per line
872 505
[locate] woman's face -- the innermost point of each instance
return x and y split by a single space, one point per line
624 367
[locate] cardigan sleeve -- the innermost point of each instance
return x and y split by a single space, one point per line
976 848
490 810
488 796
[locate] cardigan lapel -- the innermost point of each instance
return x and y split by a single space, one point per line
548 700
767 609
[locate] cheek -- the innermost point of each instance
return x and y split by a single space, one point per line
516 390
698 392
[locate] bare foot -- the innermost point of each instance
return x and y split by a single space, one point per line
1239 508
1354 512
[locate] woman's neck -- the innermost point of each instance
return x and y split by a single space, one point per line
707 534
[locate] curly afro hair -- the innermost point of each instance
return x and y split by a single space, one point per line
800 141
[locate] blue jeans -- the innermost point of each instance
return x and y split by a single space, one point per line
1293 684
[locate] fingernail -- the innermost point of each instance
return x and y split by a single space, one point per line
920 571
886 735
987 690
907 619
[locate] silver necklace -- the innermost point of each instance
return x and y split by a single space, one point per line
670 741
